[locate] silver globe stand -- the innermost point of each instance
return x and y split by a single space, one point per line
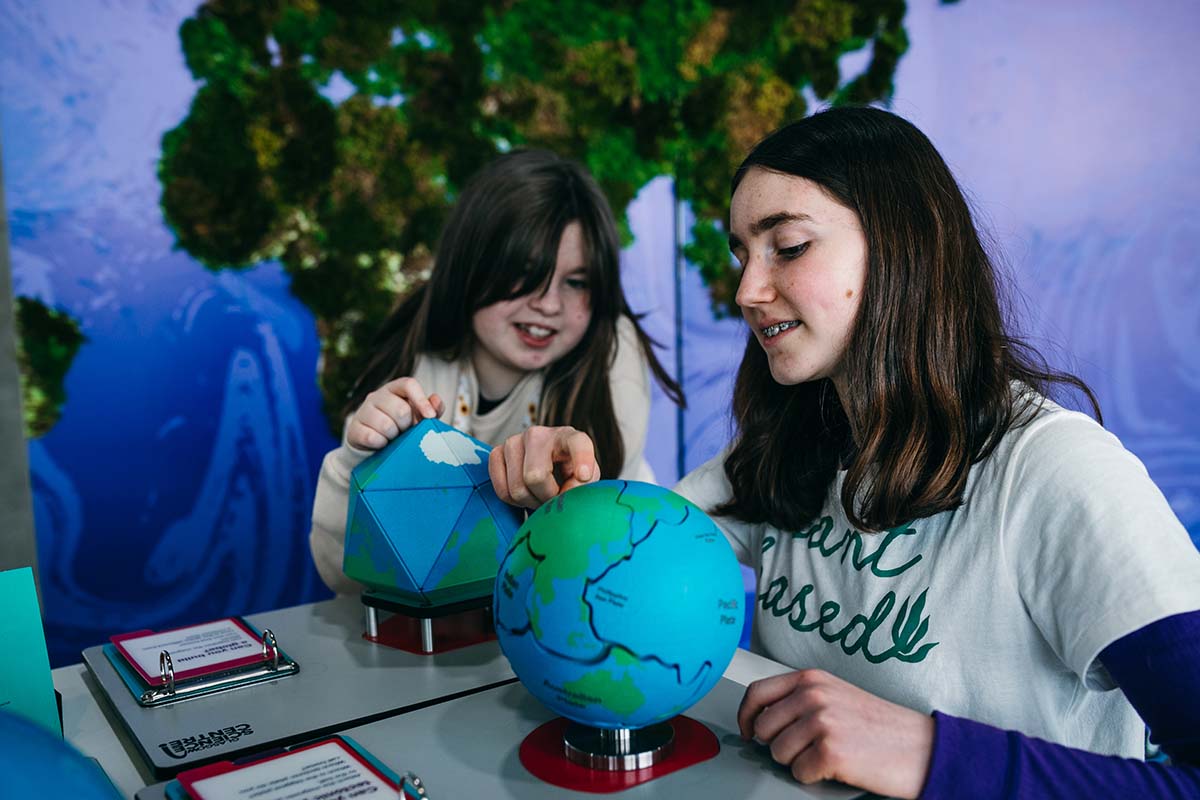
618 749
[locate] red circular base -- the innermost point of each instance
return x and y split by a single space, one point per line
542 754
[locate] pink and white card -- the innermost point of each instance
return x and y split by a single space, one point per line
195 650
325 769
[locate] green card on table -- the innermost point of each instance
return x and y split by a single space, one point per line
26 687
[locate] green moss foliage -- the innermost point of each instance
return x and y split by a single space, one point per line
349 196
47 340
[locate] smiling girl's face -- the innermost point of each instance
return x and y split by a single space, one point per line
527 333
804 260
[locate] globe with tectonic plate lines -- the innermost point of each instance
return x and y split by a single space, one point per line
619 604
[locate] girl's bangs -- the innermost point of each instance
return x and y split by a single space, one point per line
526 257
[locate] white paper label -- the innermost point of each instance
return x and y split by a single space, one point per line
197 647
324 772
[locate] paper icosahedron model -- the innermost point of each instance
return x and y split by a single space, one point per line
424 524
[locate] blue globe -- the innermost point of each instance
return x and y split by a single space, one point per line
619 604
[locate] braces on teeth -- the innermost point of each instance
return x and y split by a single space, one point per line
779 328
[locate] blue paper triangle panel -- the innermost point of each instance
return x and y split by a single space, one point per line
420 458
369 557
418 522
444 445
472 455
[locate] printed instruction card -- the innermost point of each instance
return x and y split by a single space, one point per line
195 650
329 770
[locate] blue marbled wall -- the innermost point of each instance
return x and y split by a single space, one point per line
177 485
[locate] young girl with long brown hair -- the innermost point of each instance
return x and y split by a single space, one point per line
523 321
982 593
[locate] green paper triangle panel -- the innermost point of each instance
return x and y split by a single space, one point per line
369 557
472 553
508 518
418 523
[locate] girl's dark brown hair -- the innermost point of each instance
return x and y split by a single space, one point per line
929 366
501 242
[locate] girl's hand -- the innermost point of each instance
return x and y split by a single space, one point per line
541 463
827 729
389 411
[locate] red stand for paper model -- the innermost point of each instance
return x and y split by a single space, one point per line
544 754
426 630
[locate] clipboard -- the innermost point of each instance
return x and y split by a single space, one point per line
253 657
203 783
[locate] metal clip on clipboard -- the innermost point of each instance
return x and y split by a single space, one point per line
275 664
411 788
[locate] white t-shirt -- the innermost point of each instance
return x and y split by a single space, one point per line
995 611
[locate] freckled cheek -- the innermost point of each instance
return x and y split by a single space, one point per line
580 314
809 294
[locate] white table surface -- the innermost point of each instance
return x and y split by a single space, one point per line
87 726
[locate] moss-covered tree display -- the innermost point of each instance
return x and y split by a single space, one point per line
47 340
350 195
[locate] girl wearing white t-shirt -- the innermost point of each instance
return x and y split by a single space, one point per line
982 594
523 321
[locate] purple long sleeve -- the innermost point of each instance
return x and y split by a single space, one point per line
1158 668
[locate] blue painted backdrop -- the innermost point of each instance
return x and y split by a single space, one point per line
177 485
